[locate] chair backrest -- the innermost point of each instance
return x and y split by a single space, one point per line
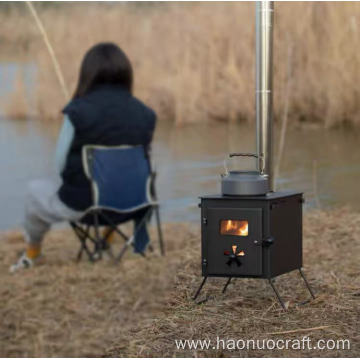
120 176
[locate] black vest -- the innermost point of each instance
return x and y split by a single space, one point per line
109 116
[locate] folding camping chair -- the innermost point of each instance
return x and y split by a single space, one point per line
123 189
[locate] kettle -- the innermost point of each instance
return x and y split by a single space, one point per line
251 182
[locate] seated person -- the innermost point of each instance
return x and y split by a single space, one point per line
103 111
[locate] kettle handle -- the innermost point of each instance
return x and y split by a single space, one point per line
243 154
260 157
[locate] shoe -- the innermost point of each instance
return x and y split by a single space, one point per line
23 263
105 254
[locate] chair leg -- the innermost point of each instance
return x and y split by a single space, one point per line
79 254
160 235
83 246
130 241
81 239
88 252
106 244
123 250
108 233
82 235
98 245
114 227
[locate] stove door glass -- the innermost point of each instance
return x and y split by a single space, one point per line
234 227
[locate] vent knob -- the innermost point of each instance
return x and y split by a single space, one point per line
234 256
235 259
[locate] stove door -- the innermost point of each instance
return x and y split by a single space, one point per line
232 242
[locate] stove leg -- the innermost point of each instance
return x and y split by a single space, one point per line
200 287
307 284
277 293
226 285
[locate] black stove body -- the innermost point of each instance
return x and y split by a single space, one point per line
270 243
251 236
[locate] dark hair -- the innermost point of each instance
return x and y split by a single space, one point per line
104 63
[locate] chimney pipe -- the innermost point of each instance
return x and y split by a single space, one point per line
264 43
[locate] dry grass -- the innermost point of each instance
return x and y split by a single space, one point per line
140 308
195 62
62 308
16 104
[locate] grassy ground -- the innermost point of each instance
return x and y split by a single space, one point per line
138 309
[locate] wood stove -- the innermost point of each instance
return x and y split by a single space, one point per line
252 236
257 236
250 230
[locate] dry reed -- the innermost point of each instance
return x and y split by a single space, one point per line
195 62
16 104
285 116
138 309
315 183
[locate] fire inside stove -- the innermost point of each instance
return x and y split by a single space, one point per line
234 227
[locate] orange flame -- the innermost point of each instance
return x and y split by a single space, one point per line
235 227
240 253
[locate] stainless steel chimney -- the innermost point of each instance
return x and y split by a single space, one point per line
260 182
264 44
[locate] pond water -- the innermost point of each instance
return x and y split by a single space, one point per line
188 161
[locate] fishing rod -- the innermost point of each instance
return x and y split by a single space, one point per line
51 51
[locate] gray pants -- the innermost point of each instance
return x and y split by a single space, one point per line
44 208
